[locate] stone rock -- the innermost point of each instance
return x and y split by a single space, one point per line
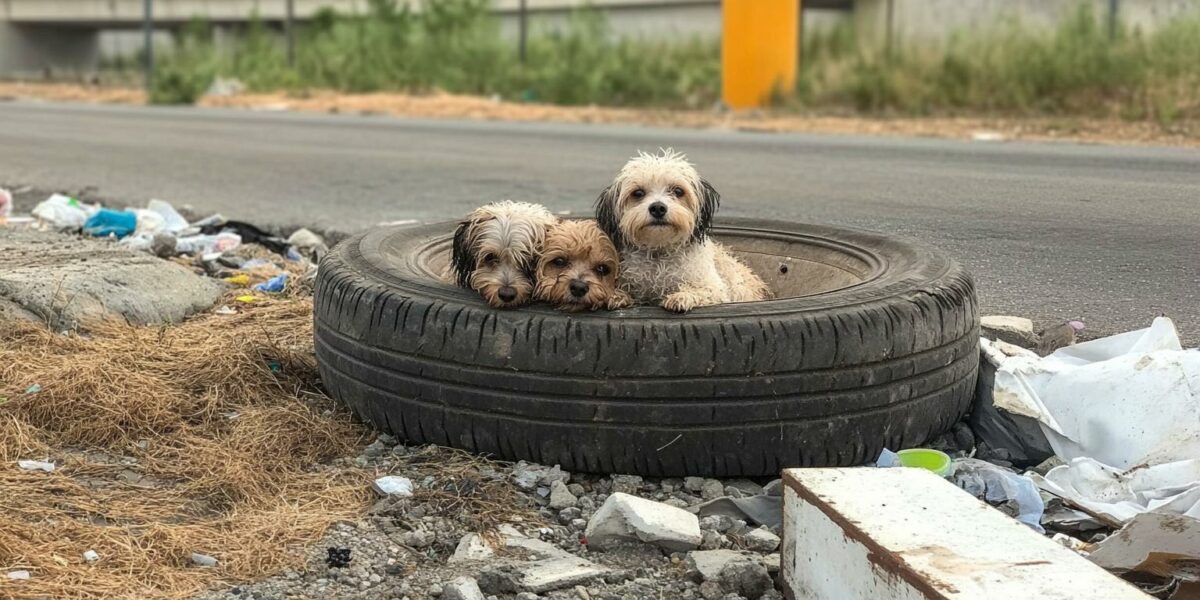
711 540
1059 336
561 497
539 576
761 540
463 588
711 590
706 565
693 484
773 563
529 476
471 547
626 484
717 523
67 281
624 517
746 578
421 538
712 489
1014 330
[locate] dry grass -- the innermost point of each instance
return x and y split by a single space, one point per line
206 437
450 106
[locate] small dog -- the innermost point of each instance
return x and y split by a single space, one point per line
658 212
496 249
578 268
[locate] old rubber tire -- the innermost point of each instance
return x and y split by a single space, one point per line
735 390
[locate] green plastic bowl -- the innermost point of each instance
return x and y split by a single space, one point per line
924 458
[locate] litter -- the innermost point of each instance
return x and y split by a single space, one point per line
998 485
308 244
203 560
107 222
240 279
338 558
36 465
918 458
761 509
172 221
273 285
91 556
246 299
247 234
199 245
6 204
225 310
1123 412
18 574
393 486
63 212
1159 545
33 389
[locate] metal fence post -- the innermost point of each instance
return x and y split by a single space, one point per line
522 28
289 26
1113 8
148 33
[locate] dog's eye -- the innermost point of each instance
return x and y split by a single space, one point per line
678 191
490 259
602 270
559 262
639 194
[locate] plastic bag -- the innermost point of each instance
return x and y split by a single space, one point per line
995 485
63 212
6 203
106 222
207 244
173 222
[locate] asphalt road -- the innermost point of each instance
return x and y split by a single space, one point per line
1109 235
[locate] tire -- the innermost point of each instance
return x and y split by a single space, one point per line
747 389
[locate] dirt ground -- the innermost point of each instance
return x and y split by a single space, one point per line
441 105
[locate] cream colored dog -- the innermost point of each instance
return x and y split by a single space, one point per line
658 212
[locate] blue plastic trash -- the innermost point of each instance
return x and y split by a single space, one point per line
274 284
108 222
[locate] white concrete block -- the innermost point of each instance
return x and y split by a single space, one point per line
907 534
628 518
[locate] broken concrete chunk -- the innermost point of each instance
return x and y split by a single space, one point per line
1158 544
393 486
471 547
561 497
66 281
706 565
463 588
628 518
712 489
761 540
1014 330
748 579
539 576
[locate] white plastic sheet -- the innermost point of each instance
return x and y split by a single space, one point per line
1123 411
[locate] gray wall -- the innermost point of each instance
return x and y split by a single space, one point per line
933 21
31 50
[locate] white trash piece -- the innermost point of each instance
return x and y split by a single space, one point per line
36 465
173 222
1123 411
6 204
22 574
994 484
91 556
199 245
392 485
63 212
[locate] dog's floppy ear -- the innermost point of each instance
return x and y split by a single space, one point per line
463 257
710 201
606 214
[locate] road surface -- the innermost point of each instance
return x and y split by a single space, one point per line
1109 235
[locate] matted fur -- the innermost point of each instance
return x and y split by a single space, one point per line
669 259
495 249
579 253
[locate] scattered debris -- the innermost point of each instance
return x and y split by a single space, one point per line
308 244
203 560
628 518
1153 546
761 540
63 213
997 485
91 556
222 87
337 558
393 486
33 389
273 285
107 222
462 588
539 576
988 136
6 205
36 465
1014 330
471 547
22 574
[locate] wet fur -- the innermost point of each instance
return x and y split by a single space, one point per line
584 248
672 262
496 246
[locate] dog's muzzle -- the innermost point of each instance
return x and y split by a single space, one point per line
578 287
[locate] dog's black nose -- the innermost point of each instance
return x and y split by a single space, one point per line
507 293
579 288
658 210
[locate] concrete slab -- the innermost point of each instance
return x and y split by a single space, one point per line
870 534
66 281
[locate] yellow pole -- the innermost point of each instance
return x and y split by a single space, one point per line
759 39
